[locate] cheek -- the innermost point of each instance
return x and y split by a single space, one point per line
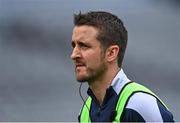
94 60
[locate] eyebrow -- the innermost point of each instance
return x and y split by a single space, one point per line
79 42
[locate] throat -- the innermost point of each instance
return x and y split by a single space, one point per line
99 92
100 86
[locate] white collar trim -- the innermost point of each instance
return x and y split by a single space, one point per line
119 81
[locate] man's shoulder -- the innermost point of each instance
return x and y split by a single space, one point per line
145 107
140 99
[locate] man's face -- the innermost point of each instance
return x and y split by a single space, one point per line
87 55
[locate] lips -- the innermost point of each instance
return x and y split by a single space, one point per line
77 65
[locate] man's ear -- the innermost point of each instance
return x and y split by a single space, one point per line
112 53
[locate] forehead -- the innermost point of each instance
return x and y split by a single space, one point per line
84 32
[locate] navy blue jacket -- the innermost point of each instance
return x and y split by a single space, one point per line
141 107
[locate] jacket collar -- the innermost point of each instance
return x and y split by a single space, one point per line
119 81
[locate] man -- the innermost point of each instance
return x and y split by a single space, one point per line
99 41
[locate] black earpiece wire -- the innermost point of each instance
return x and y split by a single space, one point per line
83 100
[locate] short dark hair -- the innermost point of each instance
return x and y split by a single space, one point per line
111 30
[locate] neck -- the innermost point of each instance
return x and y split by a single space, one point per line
100 85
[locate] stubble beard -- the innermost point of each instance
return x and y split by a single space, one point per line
93 74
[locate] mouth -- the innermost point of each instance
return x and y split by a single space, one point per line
79 65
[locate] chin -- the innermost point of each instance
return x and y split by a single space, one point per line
82 79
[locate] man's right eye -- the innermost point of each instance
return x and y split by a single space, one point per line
73 44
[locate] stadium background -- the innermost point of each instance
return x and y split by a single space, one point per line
37 81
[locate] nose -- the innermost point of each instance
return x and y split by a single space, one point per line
75 53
